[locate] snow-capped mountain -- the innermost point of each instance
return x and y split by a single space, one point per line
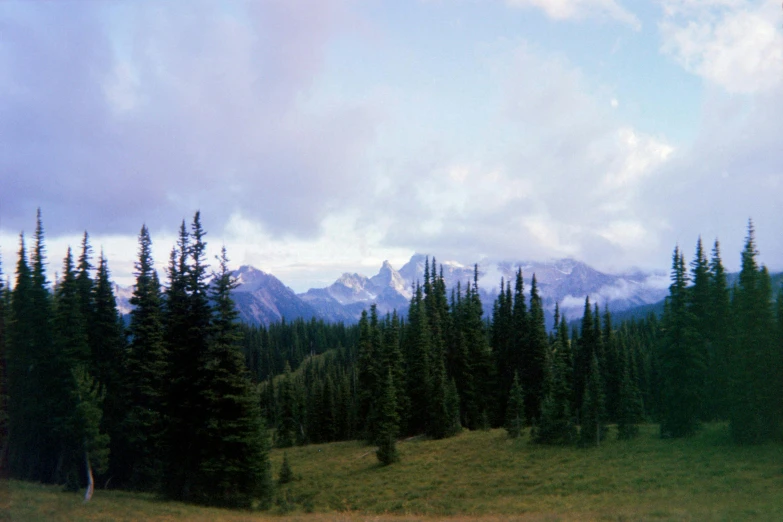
261 298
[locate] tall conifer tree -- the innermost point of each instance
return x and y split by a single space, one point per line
145 376
681 358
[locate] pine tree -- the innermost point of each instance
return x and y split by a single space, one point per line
145 376
593 429
387 423
515 412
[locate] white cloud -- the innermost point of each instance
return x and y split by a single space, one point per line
568 9
736 44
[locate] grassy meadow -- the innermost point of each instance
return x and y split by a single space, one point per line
480 475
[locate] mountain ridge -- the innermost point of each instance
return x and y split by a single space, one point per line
262 298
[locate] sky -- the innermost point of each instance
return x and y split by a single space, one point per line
322 137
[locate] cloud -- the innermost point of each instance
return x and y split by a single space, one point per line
106 122
570 9
566 180
735 44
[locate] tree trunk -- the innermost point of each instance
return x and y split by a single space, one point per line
90 481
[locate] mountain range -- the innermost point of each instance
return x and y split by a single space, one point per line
261 298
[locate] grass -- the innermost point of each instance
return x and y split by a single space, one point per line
483 475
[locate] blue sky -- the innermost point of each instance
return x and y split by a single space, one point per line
323 137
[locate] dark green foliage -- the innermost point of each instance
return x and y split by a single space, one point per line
388 423
556 425
753 362
417 358
231 446
287 424
593 428
586 347
630 407
536 363
681 358
145 377
515 412
286 474
107 346
718 338
66 372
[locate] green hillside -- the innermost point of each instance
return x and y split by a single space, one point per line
485 475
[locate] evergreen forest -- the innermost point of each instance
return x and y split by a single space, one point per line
182 400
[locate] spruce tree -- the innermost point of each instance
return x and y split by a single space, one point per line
681 358
388 420
108 354
233 455
752 359
24 392
72 351
585 349
593 429
556 425
417 362
718 348
145 376
287 425
630 406
515 412
90 444
536 364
